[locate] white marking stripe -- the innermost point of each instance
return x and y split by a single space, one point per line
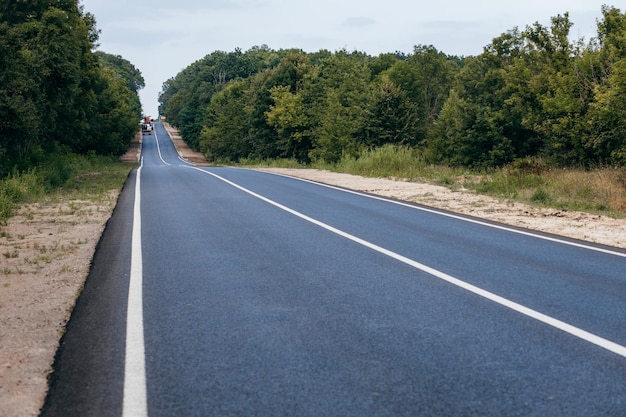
568 328
156 137
457 217
135 397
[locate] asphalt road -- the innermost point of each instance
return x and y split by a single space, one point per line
233 292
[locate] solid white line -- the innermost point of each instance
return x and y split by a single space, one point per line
135 398
551 321
180 157
457 217
159 148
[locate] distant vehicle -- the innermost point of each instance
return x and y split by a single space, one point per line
146 125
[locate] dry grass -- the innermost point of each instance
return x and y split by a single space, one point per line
602 189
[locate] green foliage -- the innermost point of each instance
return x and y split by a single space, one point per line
53 92
116 113
287 116
90 174
185 98
339 94
532 93
391 161
606 119
394 117
540 196
122 68
427 77
224 135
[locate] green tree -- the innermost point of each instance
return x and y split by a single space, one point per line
21 99
185 98
472 127
115 121
554 90
427 77
468 134
393 117
338 94
52 89
124 69
288 116
606 69
268 141
335 133
226 124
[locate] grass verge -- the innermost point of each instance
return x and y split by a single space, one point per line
66 177
601 190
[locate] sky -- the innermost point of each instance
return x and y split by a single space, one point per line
162 37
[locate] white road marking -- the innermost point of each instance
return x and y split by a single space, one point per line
135 397
551 321
180 156
457 217
159 148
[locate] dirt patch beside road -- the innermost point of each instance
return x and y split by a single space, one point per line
45 256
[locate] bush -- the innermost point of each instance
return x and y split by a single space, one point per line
386 161
18 188
541 196
57 171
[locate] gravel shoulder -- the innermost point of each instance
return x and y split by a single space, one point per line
47 250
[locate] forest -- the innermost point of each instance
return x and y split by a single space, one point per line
59 97
531 93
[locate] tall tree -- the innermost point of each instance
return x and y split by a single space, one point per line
471 127
124 69
339 95
288 116
427 76
226 125
606 119
393 116
51 84
21 99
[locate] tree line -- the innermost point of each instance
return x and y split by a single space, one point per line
57 95
530 93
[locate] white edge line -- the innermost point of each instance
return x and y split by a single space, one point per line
558 324
159 148
135 397
457 217
179 154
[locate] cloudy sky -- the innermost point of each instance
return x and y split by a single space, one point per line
162 37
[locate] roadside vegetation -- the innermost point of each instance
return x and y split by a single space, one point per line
74 177
538 116
532 93
600 190
66 112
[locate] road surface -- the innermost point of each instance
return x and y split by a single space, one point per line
233 292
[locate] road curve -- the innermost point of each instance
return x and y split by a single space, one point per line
259 294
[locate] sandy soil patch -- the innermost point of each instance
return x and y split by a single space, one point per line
45 255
